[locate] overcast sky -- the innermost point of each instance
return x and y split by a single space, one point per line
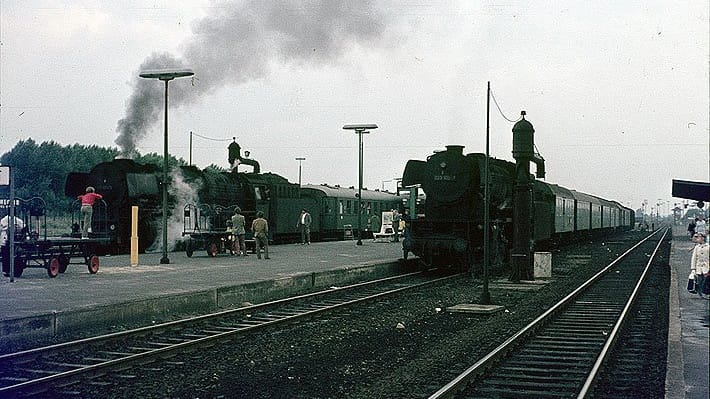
617 90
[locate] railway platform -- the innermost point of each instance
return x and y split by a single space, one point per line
36 306
688 328
120 294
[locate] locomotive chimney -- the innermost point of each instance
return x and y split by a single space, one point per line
456 149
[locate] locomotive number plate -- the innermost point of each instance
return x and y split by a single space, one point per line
444 177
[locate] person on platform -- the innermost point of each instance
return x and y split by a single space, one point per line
374 223
700 264
691 229
87 209
304 226
396 217
700 226
5 240
260 229
238 231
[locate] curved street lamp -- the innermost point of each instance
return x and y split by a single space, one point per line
166 75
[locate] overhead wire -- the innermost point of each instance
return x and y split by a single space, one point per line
208 138
501 111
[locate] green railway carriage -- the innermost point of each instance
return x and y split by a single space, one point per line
335 208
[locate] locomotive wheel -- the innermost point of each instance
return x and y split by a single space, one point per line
93 264
212 249
63 263
189 250
53 267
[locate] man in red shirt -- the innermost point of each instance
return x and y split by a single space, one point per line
87 209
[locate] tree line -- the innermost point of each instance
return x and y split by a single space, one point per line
41 170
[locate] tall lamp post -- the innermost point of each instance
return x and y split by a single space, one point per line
360 129
166 76
299 159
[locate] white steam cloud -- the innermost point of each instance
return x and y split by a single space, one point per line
238 41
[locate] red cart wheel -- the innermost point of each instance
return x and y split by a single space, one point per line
212 249
53 268
93 264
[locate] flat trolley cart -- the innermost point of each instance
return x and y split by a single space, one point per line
208 227
55 254
34 248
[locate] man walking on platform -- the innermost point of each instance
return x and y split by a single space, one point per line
260 230
238 232
304 225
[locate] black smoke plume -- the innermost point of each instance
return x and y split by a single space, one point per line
239 41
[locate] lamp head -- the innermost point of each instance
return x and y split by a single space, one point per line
166 74
360 126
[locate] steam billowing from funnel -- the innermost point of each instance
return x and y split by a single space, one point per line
238 41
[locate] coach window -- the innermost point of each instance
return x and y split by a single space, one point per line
341 209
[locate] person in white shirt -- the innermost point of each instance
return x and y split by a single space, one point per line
4 240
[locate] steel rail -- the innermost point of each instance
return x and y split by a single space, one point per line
40 384
616 331
461 381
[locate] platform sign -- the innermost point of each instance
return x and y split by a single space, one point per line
4 175
4 181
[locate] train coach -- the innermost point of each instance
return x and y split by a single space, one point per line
452 228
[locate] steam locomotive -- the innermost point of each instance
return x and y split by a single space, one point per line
452 228
125 183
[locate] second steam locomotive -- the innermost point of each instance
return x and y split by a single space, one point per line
452 228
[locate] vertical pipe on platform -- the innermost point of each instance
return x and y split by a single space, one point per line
134 236
523 152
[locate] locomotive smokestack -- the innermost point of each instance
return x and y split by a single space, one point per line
456 149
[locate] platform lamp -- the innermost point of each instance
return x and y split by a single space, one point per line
299 159
166 75
360 129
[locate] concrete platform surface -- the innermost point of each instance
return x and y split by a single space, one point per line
688 328
120 293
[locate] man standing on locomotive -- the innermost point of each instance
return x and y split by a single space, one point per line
87 209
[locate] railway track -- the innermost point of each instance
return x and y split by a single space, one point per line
60 367
562 353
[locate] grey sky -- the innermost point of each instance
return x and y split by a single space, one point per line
617 91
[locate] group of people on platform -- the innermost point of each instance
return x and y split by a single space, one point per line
260 230
699 278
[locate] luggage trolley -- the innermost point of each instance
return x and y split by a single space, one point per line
208 227
34 249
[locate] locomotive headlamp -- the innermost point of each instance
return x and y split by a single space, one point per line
442 165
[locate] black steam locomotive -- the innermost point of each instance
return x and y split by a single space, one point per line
452 229
125 183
